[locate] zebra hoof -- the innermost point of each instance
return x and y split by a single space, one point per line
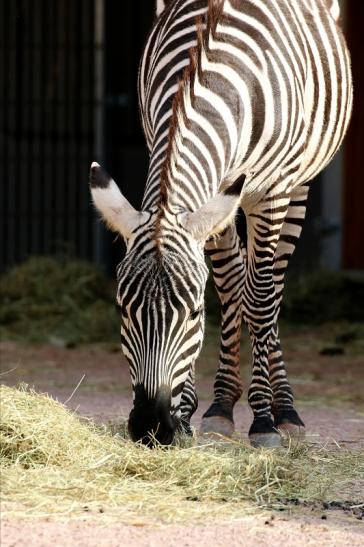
265 440
217 424
288 422
292 430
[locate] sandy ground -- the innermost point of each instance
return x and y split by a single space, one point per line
249 532
104 394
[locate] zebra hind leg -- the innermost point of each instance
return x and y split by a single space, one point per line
227 258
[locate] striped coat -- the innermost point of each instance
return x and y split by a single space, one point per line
279 99
242 102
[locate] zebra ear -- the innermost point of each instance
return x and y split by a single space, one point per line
215 215
160 5
334 8
115 209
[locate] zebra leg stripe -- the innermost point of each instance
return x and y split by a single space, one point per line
228 266
282 392
282 408
260 304
285 415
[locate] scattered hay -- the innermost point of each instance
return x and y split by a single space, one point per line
52 462
49 298
323 296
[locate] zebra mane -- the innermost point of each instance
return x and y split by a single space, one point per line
186 85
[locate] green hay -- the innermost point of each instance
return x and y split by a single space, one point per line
54 463
47 299
323 296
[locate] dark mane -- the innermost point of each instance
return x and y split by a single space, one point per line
215 9
205 26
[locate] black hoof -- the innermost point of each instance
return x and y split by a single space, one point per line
217 424
263 433
262 424
221 408
289 423
287 416
218 419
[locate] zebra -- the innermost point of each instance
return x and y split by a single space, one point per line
242 102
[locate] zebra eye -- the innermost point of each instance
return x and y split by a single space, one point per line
124 321
123 314
120 309
195 314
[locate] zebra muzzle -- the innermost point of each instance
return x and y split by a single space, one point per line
151 421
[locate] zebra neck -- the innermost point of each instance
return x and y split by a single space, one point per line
191 159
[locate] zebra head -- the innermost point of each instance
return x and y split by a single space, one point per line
161 283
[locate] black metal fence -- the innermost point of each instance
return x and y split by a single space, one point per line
67 97
47 126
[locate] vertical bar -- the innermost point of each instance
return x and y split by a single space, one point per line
43 127
29 130
92 128
54 129
86 111
66 204
61 220
47 190
37 107
19 115
4 142
99 114
11 134
78 122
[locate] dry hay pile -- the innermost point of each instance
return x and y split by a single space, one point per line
54 463
57 300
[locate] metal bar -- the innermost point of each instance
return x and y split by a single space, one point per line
99 114
4 142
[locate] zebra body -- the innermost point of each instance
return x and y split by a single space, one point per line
242 102
294 76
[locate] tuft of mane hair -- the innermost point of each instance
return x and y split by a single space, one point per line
205 27
214 13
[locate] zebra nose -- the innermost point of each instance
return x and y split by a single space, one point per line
150 419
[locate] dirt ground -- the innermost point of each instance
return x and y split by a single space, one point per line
248 532
330 396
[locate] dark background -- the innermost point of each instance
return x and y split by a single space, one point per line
68 97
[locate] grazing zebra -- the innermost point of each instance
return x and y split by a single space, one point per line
242 103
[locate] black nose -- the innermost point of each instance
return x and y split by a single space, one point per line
150 419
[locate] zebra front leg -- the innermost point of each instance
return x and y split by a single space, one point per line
259 308
227 258
285 416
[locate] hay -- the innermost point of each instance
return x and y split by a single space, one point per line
323 296
54 463
55 298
